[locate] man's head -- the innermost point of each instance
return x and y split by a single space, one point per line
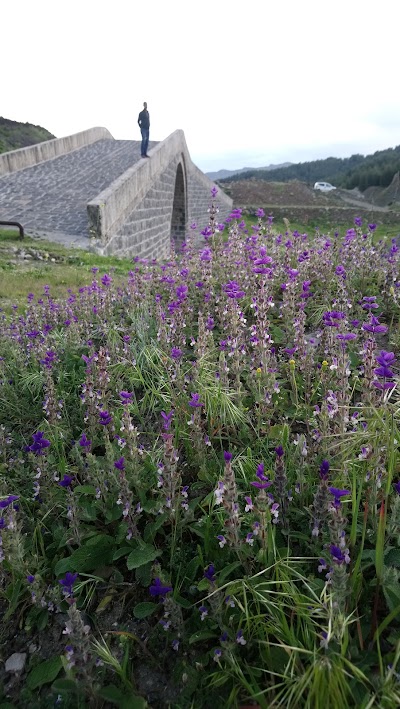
145 106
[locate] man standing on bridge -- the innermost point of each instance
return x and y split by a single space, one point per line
144 124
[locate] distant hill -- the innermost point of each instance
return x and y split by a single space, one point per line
377 170
15 135
225 174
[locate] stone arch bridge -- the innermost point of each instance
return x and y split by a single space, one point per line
92 191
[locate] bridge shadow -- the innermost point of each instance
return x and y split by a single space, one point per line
179 209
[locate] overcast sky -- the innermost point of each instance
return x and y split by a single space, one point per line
251 82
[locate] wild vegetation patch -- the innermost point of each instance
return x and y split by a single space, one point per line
200 480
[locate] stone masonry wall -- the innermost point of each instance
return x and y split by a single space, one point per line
134 215
199 198
146 232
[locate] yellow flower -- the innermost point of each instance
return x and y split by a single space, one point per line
324 363
292 362
258 370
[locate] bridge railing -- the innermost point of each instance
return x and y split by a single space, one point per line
17 224
34 154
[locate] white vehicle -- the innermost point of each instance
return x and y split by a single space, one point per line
324 186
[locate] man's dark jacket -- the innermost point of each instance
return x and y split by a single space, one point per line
144 119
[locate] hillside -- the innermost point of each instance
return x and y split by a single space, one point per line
299 202
15 135
357 171
225 174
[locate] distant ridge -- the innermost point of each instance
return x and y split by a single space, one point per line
14 135
222 174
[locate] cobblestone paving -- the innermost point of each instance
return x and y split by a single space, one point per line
50 198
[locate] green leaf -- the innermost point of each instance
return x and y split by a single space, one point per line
392 595
143 575
45 672
203 585
141 556
88 510
97 552
183 602
84 490
392 558
152 528
113 514
42 619
278 335
112 694
64 686
142 610
201 635
133 702
124 551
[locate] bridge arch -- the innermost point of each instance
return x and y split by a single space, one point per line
179 207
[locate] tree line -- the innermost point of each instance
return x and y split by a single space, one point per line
358 170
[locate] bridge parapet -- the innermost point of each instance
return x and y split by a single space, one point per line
40 152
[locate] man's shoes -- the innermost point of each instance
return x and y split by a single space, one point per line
146 156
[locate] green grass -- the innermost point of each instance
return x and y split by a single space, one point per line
71 270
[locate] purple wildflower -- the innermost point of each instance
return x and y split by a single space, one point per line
374 326
157 588
337 554
203 610
84 441
262 483
240 638
66 481
176 353
338 494
67 583
105 418
167 419
209 573
39 443
126 396
8 501
49 359
195 401
232 290
324 470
